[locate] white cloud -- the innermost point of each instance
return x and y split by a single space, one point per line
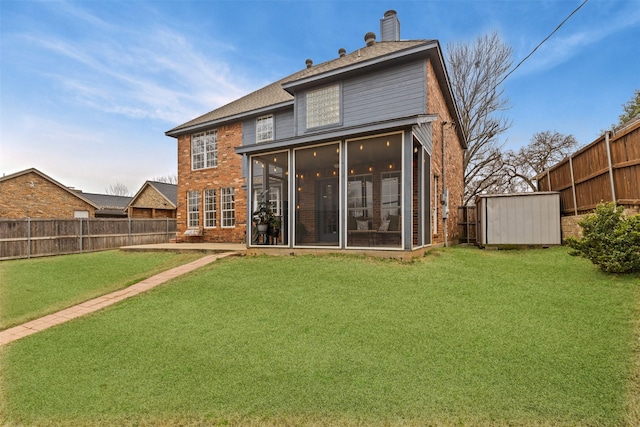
147 72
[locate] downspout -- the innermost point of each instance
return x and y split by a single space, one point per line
443 198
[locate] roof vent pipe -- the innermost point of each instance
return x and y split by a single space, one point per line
309 63
370 38
342 52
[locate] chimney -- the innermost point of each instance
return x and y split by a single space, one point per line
309 63
390 27
342 52
370 38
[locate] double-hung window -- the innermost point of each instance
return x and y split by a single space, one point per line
227 205
391 193
360 196
193 209
323 106
204 150
264 128
209 208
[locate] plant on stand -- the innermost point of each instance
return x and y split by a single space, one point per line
263 216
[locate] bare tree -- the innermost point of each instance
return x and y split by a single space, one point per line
117 189
476 71
167 179
631 109
543 151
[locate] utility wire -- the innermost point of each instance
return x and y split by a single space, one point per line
542 42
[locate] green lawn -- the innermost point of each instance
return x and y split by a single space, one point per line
460 337
36 287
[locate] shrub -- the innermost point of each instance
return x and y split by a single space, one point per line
610 240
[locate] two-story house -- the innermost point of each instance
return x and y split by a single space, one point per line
360 152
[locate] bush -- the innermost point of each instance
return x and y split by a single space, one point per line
610 240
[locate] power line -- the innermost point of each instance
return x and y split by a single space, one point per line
542 42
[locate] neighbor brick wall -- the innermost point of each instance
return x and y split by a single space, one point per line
453 157
228 173
44 199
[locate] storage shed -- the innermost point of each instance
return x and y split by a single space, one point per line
519 219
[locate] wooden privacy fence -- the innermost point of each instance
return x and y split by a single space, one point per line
467 224
29 237
606 170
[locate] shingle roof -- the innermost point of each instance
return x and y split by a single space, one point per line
170 191
107 201
274 93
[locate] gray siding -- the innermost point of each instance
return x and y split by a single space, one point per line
283 122
392 93
423 134
249 132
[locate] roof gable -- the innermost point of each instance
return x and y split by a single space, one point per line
168 191
275 94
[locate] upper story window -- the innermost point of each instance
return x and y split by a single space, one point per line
264 128
204 150
323 106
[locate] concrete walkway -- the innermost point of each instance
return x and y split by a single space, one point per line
26 329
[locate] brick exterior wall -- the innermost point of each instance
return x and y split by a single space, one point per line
44 199
228 173
151 204
454 178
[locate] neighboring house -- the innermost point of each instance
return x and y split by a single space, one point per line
109 206
30 193
154 200
349 153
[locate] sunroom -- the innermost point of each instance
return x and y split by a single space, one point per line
362 191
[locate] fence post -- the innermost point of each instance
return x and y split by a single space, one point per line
80 234
613 186
166 237
129 239
28 237
573 187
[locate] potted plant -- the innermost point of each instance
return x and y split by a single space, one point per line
274 226
263 216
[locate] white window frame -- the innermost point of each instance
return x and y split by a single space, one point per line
323 106
360 200
193 209
227 207
384 210
209 198
204 150
264 128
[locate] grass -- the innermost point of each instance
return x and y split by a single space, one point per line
33 288
462 336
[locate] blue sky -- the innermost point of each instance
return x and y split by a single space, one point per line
87 89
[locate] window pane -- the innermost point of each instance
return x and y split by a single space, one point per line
204 150
264 129
210 208
323 106
374 199
227 202
318 196
193 207
269 184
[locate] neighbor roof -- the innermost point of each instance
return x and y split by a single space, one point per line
107 201
275 94
168 191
